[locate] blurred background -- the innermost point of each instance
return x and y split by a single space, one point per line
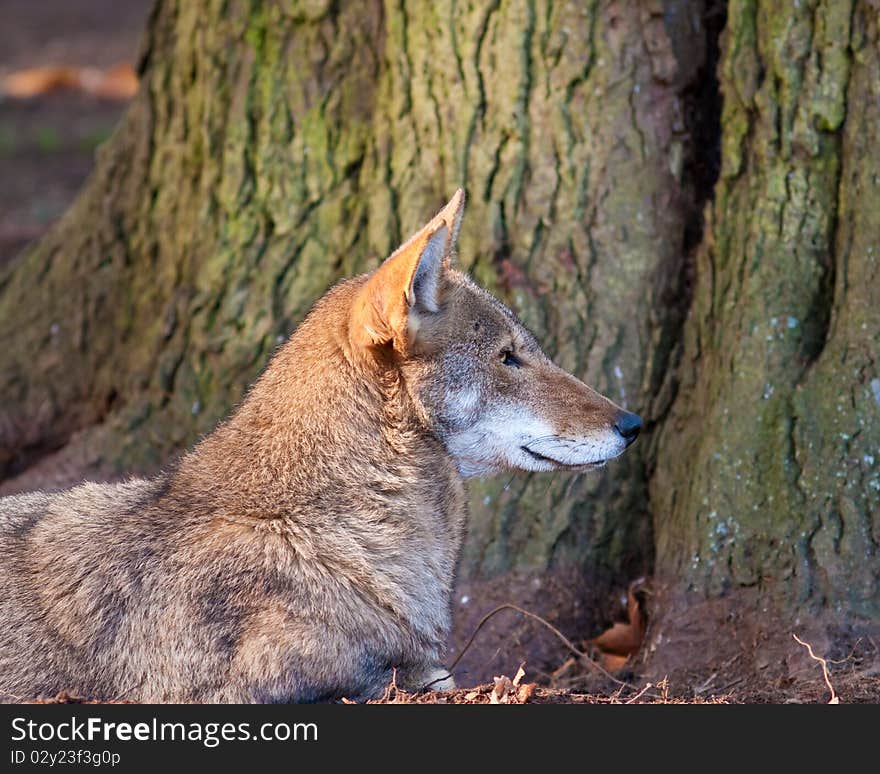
65 78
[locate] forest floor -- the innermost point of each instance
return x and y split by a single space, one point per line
47 147
852 688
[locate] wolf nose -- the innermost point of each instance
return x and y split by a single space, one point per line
628 425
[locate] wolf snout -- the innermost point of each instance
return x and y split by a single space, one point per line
628 426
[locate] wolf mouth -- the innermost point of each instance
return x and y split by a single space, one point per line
542 458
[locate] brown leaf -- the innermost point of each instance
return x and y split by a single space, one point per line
622 640
40 80
117 82
525 692
501 692
612 663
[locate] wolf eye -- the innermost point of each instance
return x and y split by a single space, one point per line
509 359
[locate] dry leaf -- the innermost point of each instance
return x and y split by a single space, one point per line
622 640
500 694
520 674
525 692
39 80
117 82
611 662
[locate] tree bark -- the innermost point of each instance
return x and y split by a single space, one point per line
767 488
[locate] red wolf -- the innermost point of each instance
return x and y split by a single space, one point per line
305 549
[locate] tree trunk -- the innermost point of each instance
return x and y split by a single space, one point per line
276 147
767 490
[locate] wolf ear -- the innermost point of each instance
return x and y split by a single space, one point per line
408 283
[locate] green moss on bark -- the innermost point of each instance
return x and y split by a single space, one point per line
765 466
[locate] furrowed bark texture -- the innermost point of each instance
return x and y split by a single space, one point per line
766 495
276 147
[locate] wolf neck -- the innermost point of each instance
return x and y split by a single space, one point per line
318 431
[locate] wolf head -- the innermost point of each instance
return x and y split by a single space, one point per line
476 374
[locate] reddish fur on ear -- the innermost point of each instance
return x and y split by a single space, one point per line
381 310
406 283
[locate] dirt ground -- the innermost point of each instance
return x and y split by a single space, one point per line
47 146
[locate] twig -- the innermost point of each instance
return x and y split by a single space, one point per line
391 687
705 686
849 657
440 679
567 642
663 685
615 697
824 663
728 686
639 694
